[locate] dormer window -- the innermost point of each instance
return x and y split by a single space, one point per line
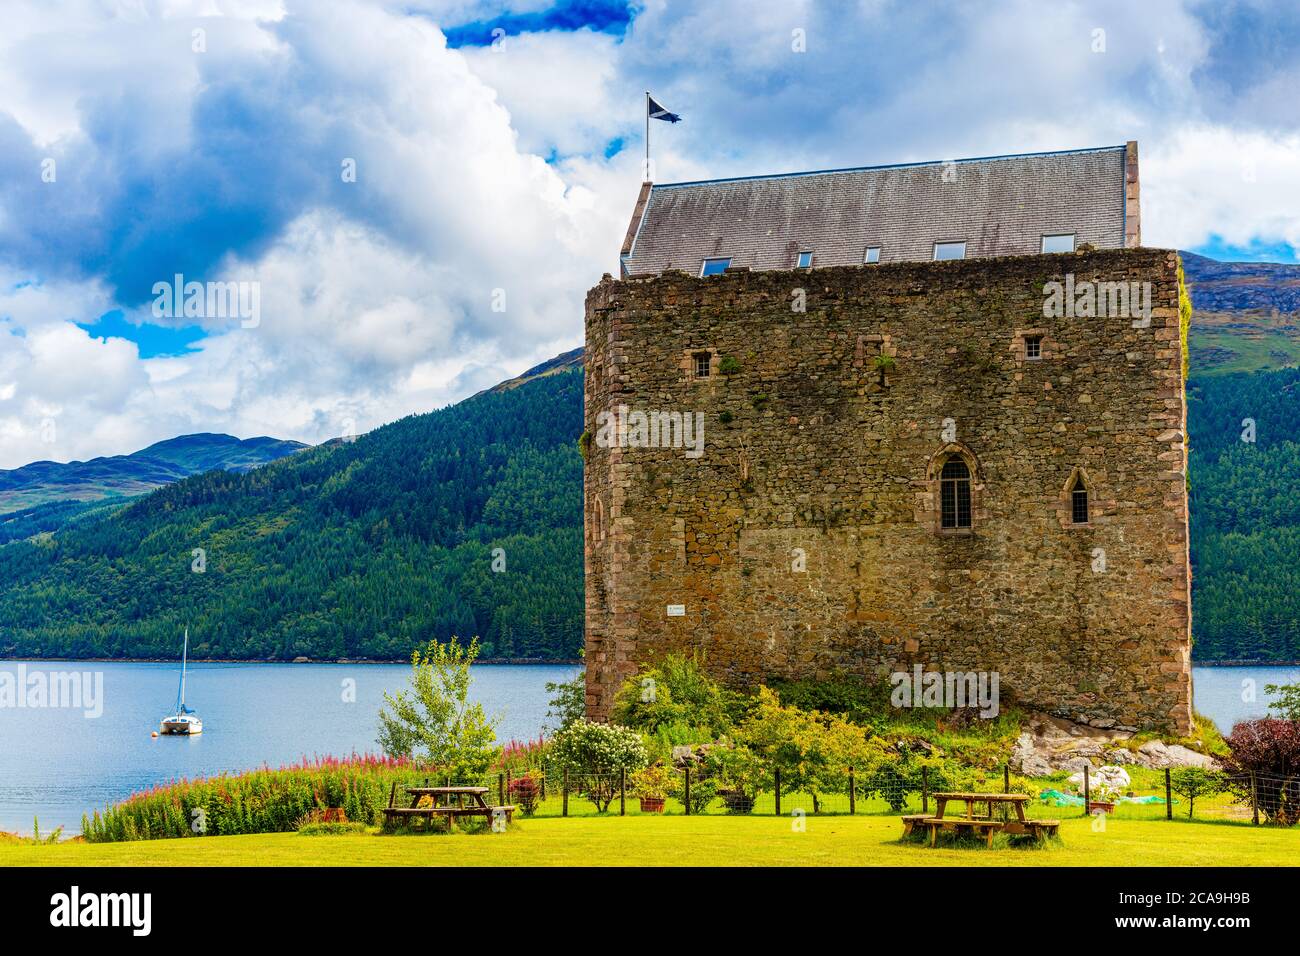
805 260
1060 242
872 256
714 267
944 251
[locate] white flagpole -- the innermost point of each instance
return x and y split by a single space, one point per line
646 173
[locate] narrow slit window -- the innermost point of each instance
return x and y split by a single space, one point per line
872 256
703 363
954 494
805 260
1079 502
949 250
714 267
1033 347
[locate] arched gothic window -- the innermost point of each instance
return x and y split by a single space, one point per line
1078 501
954 493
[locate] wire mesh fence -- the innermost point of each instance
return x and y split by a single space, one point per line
546 792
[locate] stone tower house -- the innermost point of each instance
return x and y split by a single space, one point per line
864 420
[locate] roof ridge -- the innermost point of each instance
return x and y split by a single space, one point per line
862 169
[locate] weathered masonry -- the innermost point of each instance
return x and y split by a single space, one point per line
968 465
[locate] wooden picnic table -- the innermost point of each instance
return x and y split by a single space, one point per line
447 802
986 823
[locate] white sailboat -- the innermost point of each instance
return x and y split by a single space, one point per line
184 721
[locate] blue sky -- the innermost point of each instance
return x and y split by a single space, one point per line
495 153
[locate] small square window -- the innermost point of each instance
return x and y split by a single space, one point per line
714 267
1033 347
1063 242
872 255
805 260
703 363
949 250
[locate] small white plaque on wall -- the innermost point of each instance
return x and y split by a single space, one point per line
677 610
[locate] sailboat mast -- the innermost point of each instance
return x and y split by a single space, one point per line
185 654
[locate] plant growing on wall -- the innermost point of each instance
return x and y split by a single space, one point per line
729 365
884 364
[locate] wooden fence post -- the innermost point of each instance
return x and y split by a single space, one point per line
1254 800
686 795
853 796
777 777
564 811
501 790
1087 792
925 789
1006 778
543 785
622 791
1169 797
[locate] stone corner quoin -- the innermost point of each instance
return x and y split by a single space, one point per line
806 536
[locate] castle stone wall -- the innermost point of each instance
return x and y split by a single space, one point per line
806 539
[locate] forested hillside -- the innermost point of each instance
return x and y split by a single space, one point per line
1245 515
356 549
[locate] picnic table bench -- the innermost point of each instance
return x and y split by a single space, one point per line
446 802
984 824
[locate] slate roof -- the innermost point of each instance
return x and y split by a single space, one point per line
999 205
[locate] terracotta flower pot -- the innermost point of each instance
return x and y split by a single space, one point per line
652 804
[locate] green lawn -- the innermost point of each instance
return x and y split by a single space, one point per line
698 840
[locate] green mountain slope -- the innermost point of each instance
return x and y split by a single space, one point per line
355 549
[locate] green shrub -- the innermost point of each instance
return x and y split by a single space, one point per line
677 694
595 755
729 365
703 792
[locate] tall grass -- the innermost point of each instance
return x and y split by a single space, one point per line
258 801
270 800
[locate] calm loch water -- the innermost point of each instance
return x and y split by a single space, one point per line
57 763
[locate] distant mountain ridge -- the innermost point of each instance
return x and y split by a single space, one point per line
1246 315
124 476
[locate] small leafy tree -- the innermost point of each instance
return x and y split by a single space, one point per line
1267 753
1287 704
1193 782
568 703
433 721
596 754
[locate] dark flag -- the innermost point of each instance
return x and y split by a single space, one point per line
655 111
